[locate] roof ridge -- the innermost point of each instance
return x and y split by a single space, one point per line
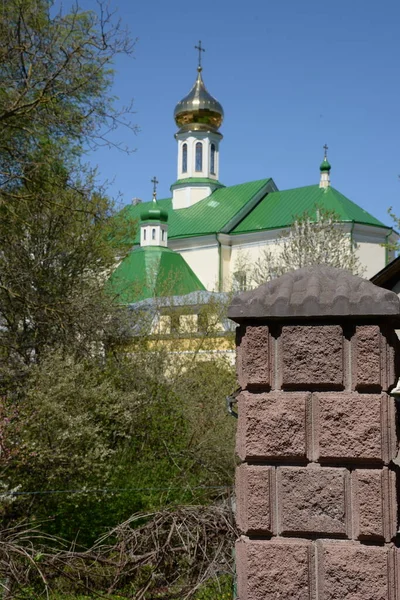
340 196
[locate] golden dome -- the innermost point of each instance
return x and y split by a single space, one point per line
199 111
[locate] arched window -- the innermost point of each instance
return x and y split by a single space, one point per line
153 234
163 235
199 156
184 158
144 234
212 159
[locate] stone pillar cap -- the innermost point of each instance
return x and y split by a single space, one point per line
317 291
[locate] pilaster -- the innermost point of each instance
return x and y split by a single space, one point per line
317 357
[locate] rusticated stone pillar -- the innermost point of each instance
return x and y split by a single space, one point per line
316 487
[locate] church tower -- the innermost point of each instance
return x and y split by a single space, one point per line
198 116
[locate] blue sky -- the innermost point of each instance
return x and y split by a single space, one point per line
291 75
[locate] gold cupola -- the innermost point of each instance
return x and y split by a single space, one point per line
199 111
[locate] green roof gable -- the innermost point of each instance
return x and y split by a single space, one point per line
152 271
210 215
279 209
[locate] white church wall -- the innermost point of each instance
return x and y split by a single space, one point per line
245 255
205 263
206 259
370 249
372 257
371 253
185 197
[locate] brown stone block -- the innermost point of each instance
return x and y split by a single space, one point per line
351 571
253 365
313 500
253 497
272 425
354 426
373 358
273 569
374 503
312 356
368 348
392 357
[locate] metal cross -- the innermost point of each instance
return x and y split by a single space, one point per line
200 49
326 149
154 182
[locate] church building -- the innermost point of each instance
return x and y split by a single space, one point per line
210 225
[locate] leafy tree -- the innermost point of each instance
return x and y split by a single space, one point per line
55 80
103 439
77 413
394 247
55 250
59 237
57 240
203 389
312 239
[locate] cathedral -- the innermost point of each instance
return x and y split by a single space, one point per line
193 240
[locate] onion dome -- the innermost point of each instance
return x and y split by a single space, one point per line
325 166
199 111
154 214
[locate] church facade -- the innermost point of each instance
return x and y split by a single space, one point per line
211 225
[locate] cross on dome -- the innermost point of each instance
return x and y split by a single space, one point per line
200 49
154 182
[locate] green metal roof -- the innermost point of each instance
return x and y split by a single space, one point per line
279 209
152 271
250 207
208 216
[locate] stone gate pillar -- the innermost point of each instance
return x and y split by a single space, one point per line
316 487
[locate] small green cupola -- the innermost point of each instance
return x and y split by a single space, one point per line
153 222
325 169
153 226
325 166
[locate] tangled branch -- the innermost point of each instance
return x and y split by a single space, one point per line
170 553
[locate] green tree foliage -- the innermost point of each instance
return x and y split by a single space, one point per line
77 418
115 437
394 246
55 226
54 254
55 80
202 389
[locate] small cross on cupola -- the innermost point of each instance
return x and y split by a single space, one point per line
325 169
155 183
